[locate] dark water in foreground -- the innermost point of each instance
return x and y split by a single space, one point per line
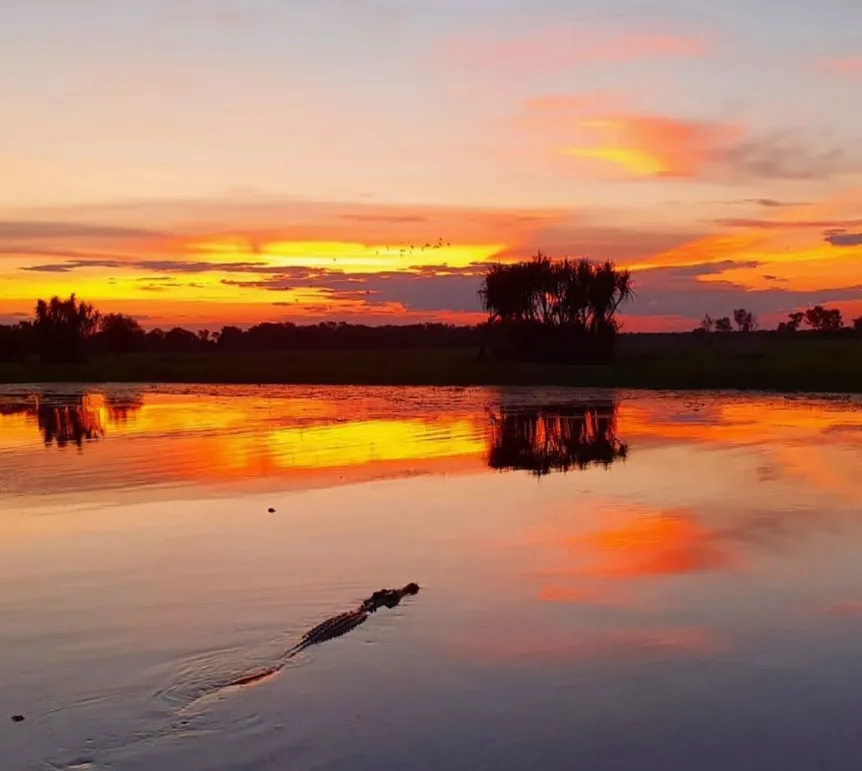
609 581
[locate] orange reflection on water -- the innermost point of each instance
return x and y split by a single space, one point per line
622 542
205 435
739 421
208 437
60 423
620 557
652 545
816 442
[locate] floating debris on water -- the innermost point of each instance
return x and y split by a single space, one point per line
17 718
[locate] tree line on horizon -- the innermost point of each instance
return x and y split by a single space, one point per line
817 318
539 310
70 330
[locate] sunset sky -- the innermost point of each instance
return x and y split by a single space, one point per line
204 162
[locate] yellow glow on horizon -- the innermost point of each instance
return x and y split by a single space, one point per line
362 258
208 292
349 256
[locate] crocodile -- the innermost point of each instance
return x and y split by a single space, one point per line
333 627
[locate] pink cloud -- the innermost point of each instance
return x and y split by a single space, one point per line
847 609
656 146
851 65
568 47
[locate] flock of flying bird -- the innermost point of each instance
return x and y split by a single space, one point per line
411 248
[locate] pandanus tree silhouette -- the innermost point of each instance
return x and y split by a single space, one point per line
556 310
555 438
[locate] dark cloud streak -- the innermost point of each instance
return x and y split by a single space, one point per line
764 224
841 238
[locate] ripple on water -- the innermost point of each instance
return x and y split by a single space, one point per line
78 764
197 680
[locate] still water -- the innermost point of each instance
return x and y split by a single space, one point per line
625 580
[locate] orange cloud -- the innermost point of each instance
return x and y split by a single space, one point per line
652 146
738 246
780 263
601 129
812 269
225 267
374 263
789 251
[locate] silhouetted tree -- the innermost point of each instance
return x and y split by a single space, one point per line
723 324
706 324
230 338
63 327
745 320
120 334
549 309
857 324
181 340
824 319
795 320
16 341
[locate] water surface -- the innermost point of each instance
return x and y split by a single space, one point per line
609 580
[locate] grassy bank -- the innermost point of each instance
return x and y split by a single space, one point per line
768 362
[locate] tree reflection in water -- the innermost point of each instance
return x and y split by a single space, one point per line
73 419
555 437
69 423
